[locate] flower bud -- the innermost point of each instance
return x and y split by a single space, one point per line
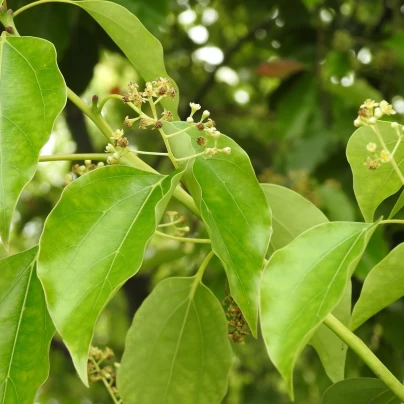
226 150
357 123
110 148
87 162
116 156
378 113
394 125
190 119
205 114
194 107
372 120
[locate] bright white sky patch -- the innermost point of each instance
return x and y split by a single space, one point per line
241 96
209 54
209 16
187 17
364 56
398 104
199 34
348 80
227 75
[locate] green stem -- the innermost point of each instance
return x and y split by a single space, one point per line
177 133
183 239
392 221
107 98
393 162
191 157
173 223
199 274
72 157
149 153
37 3
362 350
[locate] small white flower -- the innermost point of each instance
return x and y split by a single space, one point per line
194 107
110 148
371 147
372 120
369 104
226 150
378 113
387 108
385 156
117 134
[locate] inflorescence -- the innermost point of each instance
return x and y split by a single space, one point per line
368 115
153 93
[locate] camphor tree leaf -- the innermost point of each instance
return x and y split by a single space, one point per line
25 329
359 391
102 224
372 187
397 206
142 49
302 283
292 215
383 286
177 349
234 210
32 94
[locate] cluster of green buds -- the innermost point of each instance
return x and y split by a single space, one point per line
370 111
236 321
207 126
100 369
174 219
79 169
118 147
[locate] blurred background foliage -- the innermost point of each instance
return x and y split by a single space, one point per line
284 79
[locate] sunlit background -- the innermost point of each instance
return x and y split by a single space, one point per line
285 80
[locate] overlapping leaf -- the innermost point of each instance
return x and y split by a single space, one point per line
32 94
177 350
359 391
291 216
372 187
93 241
25 329
383 286
302 283
235 212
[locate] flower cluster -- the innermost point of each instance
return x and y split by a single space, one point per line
78 170
98 371
119 147
370 111
236 321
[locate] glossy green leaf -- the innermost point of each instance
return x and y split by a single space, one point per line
397 206
177 350
25 329
234 210
32 94
302 283
291 216
359 391
383 286
142 49
372 187
102 225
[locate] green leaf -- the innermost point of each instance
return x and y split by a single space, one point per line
142 49
292 215
177 350
302 283
25 329
383 286
234 210
359 391
372 187
397 206
330 348
102 225
32 94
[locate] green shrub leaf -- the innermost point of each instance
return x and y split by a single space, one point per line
291 216
25 329
383 286
142 49
359 391
302 283
93 241
234 210
32 94
177 350
372 187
